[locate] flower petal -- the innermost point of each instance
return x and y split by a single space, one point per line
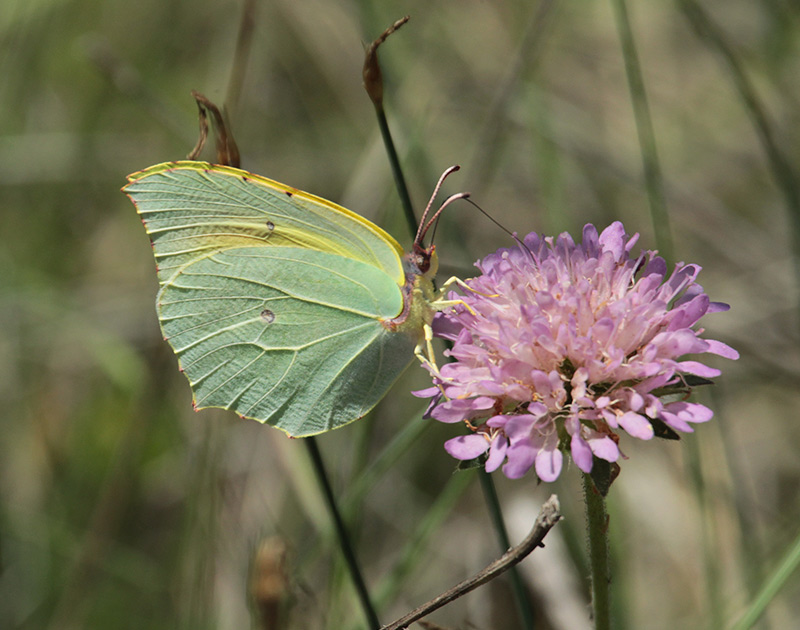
721 349
679 414
467 446
612 239
521 456
581 453
548 464
698 369
461 409
605 448
519 426
636 425
426 393
497 453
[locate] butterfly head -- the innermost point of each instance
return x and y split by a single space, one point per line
423 260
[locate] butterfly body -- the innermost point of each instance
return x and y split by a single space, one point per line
280 305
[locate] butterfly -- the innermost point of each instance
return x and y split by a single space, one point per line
282 306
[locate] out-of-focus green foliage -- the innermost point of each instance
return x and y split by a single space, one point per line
120 507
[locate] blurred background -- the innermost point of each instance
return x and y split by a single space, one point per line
122 508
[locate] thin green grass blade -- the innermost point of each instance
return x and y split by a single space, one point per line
413 554
782 169
711 564
771 587
398 446
644 125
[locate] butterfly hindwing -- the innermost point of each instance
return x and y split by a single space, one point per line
287 336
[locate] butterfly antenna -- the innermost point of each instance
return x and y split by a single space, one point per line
424 223
495 221
434 220
513 235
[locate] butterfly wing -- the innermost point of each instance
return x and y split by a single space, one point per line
272 301
191 209
287 336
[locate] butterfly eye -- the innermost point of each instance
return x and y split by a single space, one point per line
420 259
423 262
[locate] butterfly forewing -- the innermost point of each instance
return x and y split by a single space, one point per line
191 209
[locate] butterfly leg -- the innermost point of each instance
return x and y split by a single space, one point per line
440 303
454 281
424 350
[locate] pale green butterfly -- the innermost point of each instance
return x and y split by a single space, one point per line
282 306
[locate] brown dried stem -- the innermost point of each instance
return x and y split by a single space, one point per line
549 515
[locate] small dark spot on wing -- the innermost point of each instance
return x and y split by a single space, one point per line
267 316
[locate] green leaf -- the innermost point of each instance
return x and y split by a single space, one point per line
661 430
603 475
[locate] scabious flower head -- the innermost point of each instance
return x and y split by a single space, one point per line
560 347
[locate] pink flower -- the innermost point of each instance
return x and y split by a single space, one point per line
560 347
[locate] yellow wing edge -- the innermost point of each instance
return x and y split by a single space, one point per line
204 167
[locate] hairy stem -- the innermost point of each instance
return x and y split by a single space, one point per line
597 526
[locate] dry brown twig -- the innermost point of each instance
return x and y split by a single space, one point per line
549 515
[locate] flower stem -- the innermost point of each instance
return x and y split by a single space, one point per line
597 526
341 534
373 84
518 587
397 170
